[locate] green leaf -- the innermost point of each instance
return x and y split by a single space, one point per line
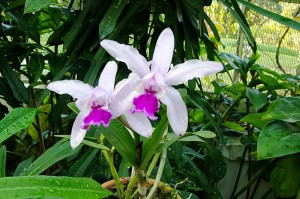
25 24
34 6
285 177
205 134
36 66
2 161
24 164
255 119
150 146
286 109
108 23
51 187
233 125
16 120
79 168
88 143
73 107
256 98
280 19
191 138
121 139
57 152
16 85
278 139
123 169
241 22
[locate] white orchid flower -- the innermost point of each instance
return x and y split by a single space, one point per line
93 103
153 83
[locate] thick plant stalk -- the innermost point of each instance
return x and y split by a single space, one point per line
141 181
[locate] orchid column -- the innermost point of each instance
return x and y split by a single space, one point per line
151 83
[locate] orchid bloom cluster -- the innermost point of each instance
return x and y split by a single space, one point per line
139 96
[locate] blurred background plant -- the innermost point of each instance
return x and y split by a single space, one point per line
253 102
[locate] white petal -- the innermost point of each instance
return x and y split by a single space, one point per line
121 100
108 75
121 52
77 133
193 68
75 88
163 52
84 104
139 123
176 110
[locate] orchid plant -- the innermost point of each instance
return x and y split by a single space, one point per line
137 98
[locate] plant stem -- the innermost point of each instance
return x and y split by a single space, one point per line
159 173
130 187
141 181
119 186
239 173
152 165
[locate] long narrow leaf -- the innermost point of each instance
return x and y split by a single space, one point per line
271 15
57 152
51 187
121 139
150 146
16 85
244 26
15 121
79 168
2 161
109 21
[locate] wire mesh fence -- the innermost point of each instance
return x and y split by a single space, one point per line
267 33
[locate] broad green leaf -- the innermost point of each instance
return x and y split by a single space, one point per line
121 139
233 125
19 90
73 107
191 138
150 146
205 134
285 177
2 161
280 19
109 20
79 168
15 121
36 66
123 169
34 6
51 187
256 98
57 152
286 109
278 139
255 119
22 20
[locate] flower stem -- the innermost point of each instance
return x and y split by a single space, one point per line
159 173
119 186
152 165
